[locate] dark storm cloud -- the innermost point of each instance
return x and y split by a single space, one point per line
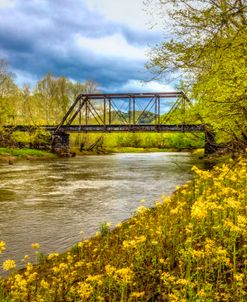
40 36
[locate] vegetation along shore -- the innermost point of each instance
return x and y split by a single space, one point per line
190 247
12 154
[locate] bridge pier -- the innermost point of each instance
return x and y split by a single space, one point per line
210 146
60 144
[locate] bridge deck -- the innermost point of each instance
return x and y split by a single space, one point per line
115 128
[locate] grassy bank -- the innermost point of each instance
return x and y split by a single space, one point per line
12 154
139 150
191 246
139 140
196 152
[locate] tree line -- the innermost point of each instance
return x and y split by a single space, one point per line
45 104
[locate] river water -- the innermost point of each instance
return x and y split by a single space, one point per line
53 202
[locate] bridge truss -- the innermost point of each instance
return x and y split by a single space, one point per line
125 112
130 112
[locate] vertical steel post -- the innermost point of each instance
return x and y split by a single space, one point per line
134 110
110 111
129 113
86 113
158 110
104 113
155 109
184 110
79 134
80 115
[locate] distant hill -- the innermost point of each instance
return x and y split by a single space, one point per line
118 117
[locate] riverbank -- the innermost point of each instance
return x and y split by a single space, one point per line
12 154
190 247
198 152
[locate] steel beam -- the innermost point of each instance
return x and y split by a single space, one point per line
128 128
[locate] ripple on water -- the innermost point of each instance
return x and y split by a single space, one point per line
51 202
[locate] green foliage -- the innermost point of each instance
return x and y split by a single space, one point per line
36 139
45 104
208 48
6 138
182 140
141 140
40 137
22 137
41 258
104 229
25 152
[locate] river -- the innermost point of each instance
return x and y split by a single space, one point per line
59 202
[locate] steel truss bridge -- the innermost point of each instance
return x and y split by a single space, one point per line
126 112
130 112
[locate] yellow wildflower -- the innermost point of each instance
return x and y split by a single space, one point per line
141 210
124 274
52 256
95 279
238 277
174 298
109 269
44 284
167 278
84 290
32 277
35 245
198 210
134 243
25 258
80 244
29 267
136 295
2 246
9 264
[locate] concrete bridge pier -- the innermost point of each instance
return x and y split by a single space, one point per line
60 144
210 143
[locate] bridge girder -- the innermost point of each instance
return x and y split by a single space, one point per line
97 113
102 109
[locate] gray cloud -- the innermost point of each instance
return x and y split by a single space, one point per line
42 36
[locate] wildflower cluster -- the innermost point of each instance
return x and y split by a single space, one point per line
191 247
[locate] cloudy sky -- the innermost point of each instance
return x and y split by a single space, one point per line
102 40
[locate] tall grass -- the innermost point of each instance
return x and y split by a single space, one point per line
191 246
25 152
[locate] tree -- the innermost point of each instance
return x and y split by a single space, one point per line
7 85
8 95
207 47
55 94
